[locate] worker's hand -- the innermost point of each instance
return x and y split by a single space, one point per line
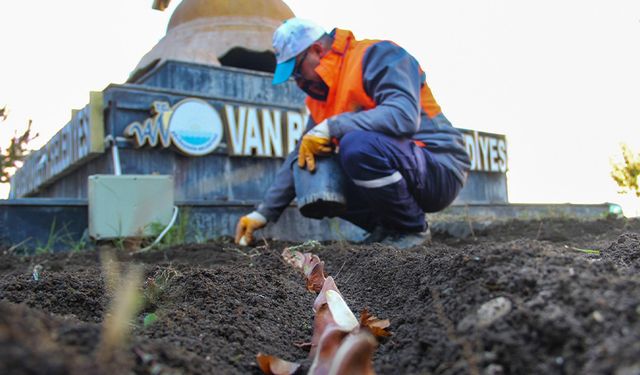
315 142
247 225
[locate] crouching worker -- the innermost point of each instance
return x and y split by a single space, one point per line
372 120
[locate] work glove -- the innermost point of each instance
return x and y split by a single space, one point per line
247 225
315 142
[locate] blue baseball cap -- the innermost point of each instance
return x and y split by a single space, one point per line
289 40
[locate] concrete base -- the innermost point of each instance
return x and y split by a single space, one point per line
50 224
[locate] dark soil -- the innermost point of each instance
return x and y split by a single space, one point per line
569 293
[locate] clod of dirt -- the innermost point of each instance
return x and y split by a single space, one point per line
625 252
487 314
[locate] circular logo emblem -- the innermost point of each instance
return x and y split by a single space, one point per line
196 127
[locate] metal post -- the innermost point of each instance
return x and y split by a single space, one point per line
115 155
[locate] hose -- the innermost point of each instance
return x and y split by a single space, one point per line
164 231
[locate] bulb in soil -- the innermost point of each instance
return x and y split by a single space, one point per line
355 355
341 313
243 241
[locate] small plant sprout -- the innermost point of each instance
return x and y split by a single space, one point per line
149 319
586 251
156 285
53 237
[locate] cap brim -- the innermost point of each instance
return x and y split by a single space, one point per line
284 71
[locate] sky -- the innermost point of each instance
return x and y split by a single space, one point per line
561 79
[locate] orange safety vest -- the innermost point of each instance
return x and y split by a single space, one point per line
341 70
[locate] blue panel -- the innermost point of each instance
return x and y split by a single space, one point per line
50 225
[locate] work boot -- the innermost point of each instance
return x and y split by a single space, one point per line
399 240
377 235
403 241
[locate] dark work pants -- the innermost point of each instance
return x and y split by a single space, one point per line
393 182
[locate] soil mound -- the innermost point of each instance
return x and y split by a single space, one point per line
625 252
552 297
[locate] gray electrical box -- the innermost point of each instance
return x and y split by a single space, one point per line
127 205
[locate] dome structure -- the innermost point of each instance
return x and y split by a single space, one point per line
207 31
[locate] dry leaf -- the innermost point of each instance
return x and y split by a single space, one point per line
271 365
375 325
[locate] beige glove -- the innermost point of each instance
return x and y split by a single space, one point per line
247 225
315 142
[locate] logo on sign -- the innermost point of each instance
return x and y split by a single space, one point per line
193 126
197 128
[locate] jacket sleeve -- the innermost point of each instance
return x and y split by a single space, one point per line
392 78
282 190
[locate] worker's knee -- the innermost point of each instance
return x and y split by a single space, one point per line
357 148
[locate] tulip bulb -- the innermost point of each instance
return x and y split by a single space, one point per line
243 241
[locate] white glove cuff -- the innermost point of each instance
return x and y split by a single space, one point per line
320 130
257 216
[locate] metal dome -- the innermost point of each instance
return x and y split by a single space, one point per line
203 31
190 10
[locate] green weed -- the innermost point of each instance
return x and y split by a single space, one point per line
120 243
53 238
305 246
79 245
177 235
156 285
149 319
586 251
